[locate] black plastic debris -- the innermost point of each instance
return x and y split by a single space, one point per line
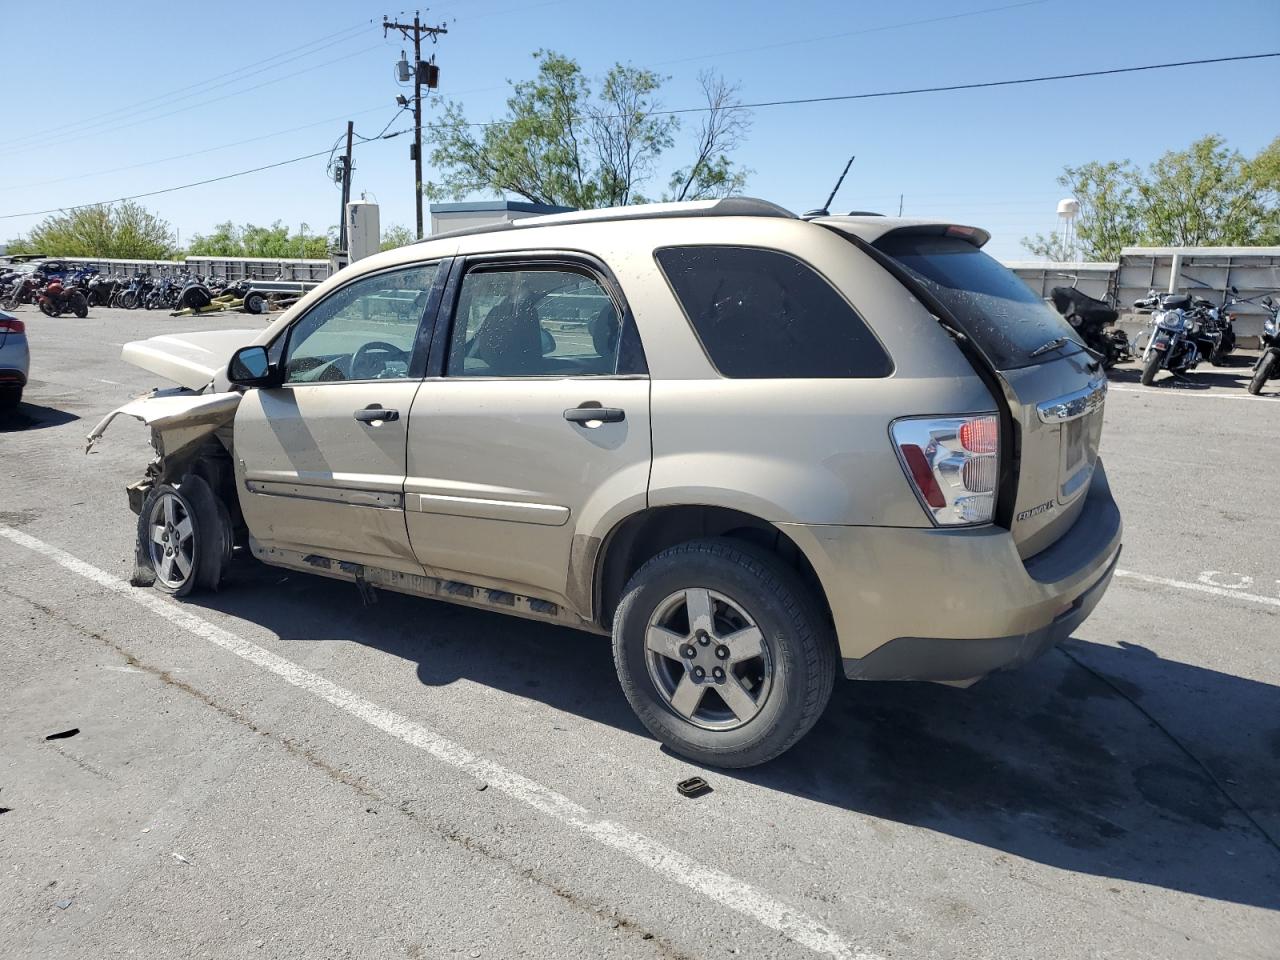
693 787
63 734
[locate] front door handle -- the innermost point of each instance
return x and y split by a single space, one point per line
586 416
375 414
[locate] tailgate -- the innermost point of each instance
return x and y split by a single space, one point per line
1057 410
1053 387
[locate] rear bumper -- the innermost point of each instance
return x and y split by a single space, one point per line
954 605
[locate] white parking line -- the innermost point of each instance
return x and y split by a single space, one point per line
670 864
1200 588
1184 392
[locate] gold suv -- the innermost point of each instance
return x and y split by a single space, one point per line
755 450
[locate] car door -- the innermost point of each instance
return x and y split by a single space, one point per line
531 436
320 460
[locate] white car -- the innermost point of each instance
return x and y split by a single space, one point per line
15 360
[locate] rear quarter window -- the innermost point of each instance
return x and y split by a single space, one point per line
763 314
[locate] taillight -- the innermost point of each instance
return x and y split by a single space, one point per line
952 463
12 326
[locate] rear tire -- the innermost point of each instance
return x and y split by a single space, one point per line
255 303
1267 368
10 397
710 605
1150 369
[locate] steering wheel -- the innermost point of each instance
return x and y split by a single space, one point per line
363 355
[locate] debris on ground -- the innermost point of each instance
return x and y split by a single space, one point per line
693 787
181 859
62 904
63 734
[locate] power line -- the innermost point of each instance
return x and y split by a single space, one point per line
940 89
81 133
197 153
854 33
188 186
257 67
770 103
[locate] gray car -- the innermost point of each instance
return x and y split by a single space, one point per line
15 360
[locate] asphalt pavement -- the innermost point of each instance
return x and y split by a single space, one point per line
277 770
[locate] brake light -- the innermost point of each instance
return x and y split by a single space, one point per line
12 326
953 465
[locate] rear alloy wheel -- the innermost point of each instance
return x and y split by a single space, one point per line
722 652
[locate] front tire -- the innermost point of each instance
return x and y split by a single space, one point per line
184 536
1267 368
723 652
1151 368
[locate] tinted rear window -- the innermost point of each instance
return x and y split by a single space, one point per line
761 314
993 306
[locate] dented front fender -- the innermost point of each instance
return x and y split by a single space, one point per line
176 420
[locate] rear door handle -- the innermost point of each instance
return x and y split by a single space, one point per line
585 416
376 415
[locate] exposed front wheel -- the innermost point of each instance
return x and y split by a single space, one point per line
184 536
1268 367
1151 368
723 652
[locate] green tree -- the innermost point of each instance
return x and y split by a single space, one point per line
249 240
125 230
562 143
396 236
1206 195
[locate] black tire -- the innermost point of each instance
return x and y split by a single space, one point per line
208 554
48 309
80 306
255 303
794 631
1268 367
10 397
1151 368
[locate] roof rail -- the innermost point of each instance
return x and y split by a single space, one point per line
724 207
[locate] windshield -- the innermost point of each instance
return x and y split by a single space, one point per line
994 308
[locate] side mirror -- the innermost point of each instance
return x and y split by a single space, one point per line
251 367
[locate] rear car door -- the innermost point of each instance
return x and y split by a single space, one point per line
532 433
320 460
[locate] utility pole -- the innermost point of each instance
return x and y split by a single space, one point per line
424 74
346 190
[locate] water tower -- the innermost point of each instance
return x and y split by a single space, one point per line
1068 210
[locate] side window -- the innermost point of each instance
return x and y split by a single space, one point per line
533 322
363 331
762 314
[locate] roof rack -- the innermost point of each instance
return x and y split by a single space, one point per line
724 207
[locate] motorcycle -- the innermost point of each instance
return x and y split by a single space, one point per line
135 294
56 299
1186 330
1091 317
1268 365
23 290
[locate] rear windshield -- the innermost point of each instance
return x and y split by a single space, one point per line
995 309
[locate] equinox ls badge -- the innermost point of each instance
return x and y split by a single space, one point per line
1034 511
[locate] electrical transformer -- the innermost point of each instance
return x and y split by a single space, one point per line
363 232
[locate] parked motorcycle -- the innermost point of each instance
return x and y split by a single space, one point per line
23 290
56 299
1268 365
1185 330
1091 317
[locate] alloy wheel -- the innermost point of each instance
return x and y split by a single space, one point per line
708 659
172 540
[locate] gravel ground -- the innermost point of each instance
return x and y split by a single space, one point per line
477 786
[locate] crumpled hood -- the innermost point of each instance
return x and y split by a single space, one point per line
189 359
